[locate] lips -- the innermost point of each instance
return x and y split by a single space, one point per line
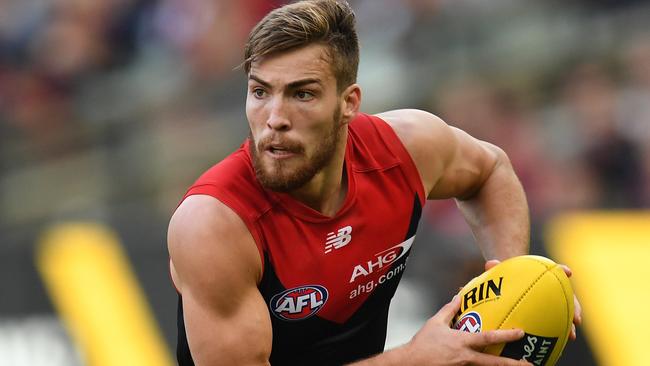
279 150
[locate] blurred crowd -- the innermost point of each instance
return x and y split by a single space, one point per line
116 103
123 102
111 108
563 89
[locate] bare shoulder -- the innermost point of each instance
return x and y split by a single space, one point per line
404 121
421 132
451 163
205 234
427 138
216 266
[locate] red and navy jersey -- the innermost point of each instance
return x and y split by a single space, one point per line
328 281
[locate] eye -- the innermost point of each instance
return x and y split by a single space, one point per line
259 93
304 95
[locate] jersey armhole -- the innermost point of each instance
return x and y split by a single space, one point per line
248 221
394 143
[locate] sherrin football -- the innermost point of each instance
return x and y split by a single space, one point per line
528 292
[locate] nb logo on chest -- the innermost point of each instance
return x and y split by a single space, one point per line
339 239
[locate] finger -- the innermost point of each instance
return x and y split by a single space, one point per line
567 270
572 334
478 358
491 337
491 263
447 312
577 311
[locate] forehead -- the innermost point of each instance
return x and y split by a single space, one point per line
311 61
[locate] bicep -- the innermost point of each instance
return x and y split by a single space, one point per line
238 336
451 163
468 164
215 266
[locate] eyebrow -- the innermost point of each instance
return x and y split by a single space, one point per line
292 85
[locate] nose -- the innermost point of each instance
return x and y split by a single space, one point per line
278 119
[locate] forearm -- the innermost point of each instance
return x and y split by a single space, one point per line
393 357
498 213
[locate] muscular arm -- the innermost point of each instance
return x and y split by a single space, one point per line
216 266
438 345
453 164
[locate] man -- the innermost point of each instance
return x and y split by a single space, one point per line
289 250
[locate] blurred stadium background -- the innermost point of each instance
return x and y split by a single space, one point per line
110 109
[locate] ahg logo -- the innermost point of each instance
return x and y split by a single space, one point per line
382 259
339 239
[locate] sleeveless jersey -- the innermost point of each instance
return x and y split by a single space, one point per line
327 281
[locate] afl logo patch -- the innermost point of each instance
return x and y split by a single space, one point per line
298 303
470 322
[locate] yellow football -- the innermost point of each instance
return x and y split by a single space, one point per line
528 292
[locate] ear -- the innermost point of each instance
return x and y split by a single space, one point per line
350 103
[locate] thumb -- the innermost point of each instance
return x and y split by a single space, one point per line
447 312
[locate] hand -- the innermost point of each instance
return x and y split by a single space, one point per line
437 344
577 309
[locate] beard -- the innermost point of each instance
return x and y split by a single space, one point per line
285 176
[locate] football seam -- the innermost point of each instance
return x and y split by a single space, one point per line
566 303
546 269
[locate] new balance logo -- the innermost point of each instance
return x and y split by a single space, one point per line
339 239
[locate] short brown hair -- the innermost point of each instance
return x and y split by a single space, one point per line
327 22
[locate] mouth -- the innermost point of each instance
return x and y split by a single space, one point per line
279 152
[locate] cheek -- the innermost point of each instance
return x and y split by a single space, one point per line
254 114
315 136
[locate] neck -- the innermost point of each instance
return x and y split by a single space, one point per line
326 192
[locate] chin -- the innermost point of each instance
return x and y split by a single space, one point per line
283 179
